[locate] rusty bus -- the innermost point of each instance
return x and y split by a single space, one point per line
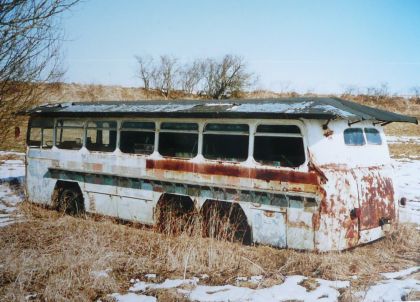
304 173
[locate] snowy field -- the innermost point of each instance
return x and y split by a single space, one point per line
394 286
12 173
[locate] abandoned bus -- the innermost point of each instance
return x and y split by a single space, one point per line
303 173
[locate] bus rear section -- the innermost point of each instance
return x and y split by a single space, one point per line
360 203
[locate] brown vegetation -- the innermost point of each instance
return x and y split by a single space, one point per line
55 256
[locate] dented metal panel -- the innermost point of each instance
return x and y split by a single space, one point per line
269 227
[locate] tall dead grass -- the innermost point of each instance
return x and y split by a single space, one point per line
55 257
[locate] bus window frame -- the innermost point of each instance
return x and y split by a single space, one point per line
103 120
278 134
303 134
159 130
57 127
121 129
44 124
232 122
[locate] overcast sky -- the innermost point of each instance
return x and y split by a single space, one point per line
319 46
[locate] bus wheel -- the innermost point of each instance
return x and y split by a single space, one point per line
175 214
70 201
225 221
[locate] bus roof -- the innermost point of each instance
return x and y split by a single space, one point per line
285 108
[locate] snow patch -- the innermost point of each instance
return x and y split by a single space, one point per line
168 283
403 273
11 179
390 290
132 297
289 290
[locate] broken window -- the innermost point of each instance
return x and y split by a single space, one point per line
178 139
69 134
137 137
279 145
226 142
354 137
41 133
101 136
373 136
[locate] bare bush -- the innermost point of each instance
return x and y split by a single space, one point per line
416 94
380 92
29 52
351 90
210 77
165 74
146 70
191 75
222 78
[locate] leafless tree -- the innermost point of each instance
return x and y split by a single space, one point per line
225 77
165 73
416 91
351 90
30 37
416 94
190 76
379 92
146 70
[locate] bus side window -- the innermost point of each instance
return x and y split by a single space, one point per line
178 139
137 137
226 142
373 137
354 137
69 134
41 133
35 136
101 136
279 145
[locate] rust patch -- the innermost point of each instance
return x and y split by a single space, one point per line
97 167
328 132
316 219
266 174
269 213
377 200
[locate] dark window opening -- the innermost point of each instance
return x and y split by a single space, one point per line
373 136
179 126
226 142
178 140
279 151
41 133
354 137
279 145
183 145
278 129
69 134
35 137
101 136
137 137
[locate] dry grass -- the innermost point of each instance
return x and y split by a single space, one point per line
404 150
55 256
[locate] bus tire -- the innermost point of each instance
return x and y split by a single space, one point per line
70 200
225 221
